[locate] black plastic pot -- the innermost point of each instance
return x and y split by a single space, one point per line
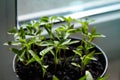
102 58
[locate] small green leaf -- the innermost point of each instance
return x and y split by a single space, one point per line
66 35
88 75
54 78
7 43
53 18
44 19
73 42
46 50
93 58
30 61
45 66
82 78
71 30
36 24
38 32
46 43
66 42
22 40
22 55
12 43
78 52
80 47
64 18
12 31
56 60
67 19
35 56
75 64
98 35
84 28
16 43
16 51
93 30
87 58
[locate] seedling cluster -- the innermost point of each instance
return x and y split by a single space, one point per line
32 46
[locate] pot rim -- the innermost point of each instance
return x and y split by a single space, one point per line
106 59
14 62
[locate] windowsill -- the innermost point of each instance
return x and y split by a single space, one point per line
80 14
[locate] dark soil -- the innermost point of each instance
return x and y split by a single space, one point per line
63 70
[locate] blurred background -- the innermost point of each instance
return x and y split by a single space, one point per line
106 14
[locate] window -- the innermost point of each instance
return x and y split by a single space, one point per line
34 9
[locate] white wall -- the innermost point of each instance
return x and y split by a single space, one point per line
7 19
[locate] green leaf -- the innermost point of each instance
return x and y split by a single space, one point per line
22 40
35 56
73 42
88 57
38 59
90 46
75 64
45 66
45 19
78 52
88 75
12 31
22 55
93 30
54 78
69 19
66 35
93 58
36 24
38 32
30 61
98 35
64 18
66 42
80 47
53 18
45 51
16 51
52 52
46 43
72 31
8 43
82 78
84 27
12 43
